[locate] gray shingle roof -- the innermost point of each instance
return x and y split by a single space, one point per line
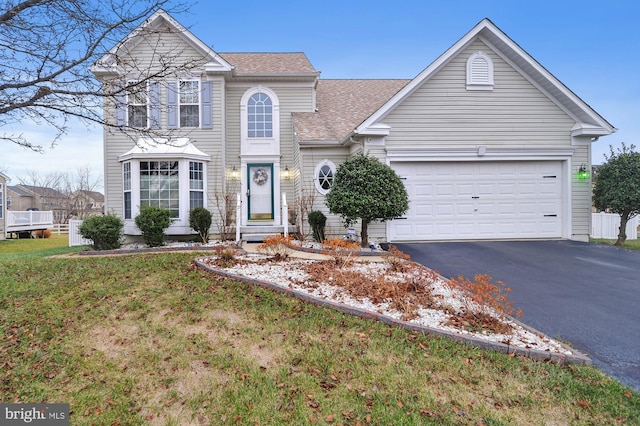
342 105
269 63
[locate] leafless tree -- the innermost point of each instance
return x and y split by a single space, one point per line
47 48
83 199
68 196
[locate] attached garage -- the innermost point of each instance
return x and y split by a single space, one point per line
480 200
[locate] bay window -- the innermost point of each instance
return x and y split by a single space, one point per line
196 184
168 176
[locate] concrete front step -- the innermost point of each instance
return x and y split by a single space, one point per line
256 238
258 233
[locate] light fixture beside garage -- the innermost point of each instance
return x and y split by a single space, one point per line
583 173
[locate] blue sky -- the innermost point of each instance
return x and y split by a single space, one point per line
592 47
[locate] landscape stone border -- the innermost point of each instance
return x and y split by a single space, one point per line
574 358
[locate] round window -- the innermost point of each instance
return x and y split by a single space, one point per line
325 171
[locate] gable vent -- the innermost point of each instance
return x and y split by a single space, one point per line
479 72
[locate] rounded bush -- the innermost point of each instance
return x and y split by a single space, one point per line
105 231
152 221
200 221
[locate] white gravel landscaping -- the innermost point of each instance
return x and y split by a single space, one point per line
290 274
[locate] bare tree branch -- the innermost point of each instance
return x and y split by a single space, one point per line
46 50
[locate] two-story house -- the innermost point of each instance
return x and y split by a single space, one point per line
488 142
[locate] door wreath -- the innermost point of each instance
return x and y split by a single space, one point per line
260 176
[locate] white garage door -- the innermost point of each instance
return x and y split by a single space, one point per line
480 200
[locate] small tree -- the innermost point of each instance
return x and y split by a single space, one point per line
200 221
152 221
366 189
105 231
617 186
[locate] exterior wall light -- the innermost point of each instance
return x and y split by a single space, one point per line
234 173
583 173
286 174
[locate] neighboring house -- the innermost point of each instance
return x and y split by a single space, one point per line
488 142
3 205
29 197
85 203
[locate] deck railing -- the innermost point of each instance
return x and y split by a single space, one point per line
28 220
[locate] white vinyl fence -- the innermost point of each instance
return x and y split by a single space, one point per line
606 225
75 239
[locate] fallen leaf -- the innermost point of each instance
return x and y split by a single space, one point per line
329 418
399 403
584 403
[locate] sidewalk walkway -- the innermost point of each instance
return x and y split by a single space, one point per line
253 248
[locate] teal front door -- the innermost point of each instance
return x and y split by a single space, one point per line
260 192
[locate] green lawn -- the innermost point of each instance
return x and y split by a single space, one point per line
149 339
628 244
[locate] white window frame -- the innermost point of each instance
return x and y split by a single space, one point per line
159 174
317 177
480 72
126 190
182 103
132 102
260 146
256 119
196 182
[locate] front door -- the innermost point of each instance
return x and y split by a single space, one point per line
260 193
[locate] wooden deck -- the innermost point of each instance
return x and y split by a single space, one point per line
27 221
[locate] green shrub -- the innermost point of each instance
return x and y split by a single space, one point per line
105 231
152 221
200 221
317 220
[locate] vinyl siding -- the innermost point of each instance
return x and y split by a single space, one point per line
293 98
210 141
443 112
310 157
580 195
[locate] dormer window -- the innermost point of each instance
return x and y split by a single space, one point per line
479 72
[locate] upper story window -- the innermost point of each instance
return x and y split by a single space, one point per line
479 72
260 122
324 173
137 106
189 103
260 116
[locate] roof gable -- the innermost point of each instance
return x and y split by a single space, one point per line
107 63
589 122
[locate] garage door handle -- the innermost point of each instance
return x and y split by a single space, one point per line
475 198
550 215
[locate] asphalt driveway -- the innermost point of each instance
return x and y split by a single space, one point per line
586 294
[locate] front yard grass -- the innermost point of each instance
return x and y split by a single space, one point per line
148 339
628 244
